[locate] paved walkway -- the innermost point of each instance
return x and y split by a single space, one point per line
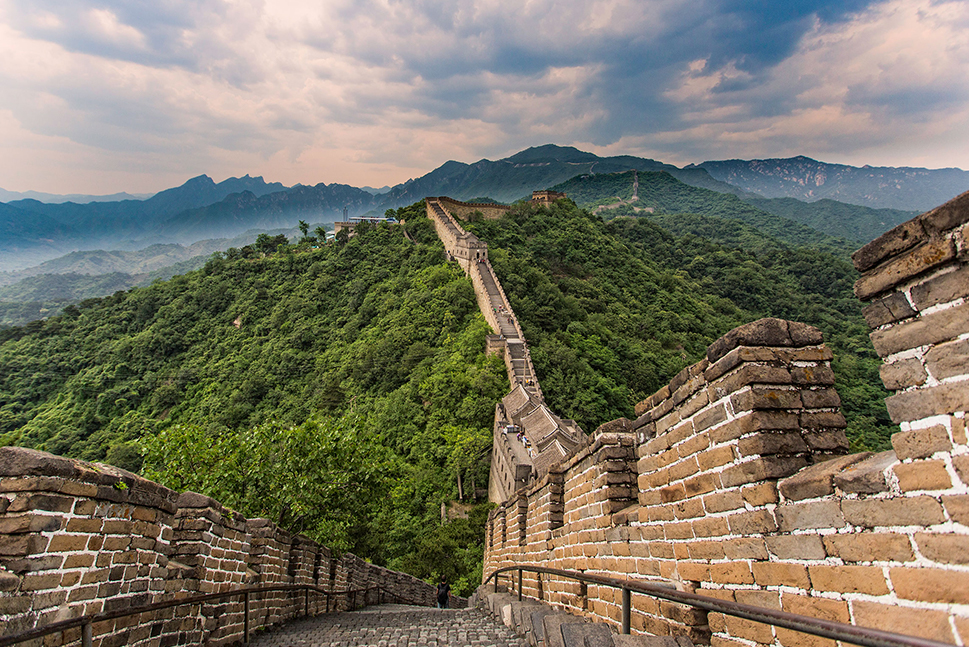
393 625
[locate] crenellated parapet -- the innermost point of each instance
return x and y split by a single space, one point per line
744 488
80 538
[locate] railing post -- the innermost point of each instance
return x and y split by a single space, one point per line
245 618
87 634
626 609
519 584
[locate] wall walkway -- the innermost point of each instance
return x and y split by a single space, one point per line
78 538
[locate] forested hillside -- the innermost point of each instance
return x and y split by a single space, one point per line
660 192
339 391
613 310
342 389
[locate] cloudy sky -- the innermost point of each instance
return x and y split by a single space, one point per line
98 96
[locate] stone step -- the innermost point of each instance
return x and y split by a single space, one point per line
543 626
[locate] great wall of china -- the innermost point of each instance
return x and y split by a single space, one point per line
734 482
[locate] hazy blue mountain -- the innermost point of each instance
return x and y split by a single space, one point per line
32 231
905 188
7 196
241 211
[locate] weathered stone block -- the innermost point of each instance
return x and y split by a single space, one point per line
805 516
869 547
922 403
765 443
930 585
922 475
933 328
903 373
867 476
948 360
820 398
922 258
817 480
911 511
894 307
796 546
765 332
941 289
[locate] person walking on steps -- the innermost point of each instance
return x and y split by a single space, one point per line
443 593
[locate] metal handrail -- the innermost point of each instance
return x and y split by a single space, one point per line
86 622
815 626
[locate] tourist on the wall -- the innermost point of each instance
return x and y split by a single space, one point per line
443 591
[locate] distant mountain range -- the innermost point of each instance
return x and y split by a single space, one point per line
7 196
908 189
32 231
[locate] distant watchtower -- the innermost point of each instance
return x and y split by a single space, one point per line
546 197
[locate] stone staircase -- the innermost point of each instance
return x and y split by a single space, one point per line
541 625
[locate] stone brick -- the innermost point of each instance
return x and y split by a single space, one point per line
41 502
922 403
796 547
849 579
961 465
924 623
712 416
778 574
896 240
760 469
731 573
817 480
760 494
820 398
723 501
67 543
930 585
822 608
941 289
820 375
766 443
822 420
947 360
927 329
754 421
765 332
22 545
910 511
903 373
921 443
814 514
29 523
922 475
752 522
944 548
957 507
713 458
765 397
947 216
869 547
921 258
890 309
745 548
867 476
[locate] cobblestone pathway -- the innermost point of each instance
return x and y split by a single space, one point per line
392 625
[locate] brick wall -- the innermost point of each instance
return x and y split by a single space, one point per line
734 482
78 538
463 210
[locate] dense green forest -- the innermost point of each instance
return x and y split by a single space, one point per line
612 310
662 193
339 391
342 389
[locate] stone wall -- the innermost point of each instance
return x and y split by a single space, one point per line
464 210
78 538
734 482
